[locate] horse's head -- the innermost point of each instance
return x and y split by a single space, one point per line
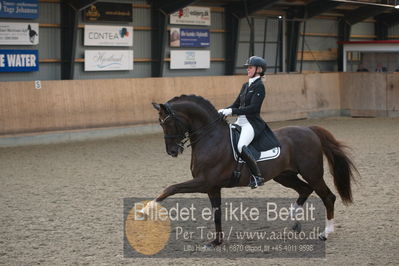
174 128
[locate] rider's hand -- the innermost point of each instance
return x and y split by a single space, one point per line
220 111
227 112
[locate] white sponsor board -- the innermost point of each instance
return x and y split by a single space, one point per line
192 15
108 60
189 59
19 33
100 35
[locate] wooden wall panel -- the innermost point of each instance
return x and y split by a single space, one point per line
285 97
79 104
323 93
364 94
393 94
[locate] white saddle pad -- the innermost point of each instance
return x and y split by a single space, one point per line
264 155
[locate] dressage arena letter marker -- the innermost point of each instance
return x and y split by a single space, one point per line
38 84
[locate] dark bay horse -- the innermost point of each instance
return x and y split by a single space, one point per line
212 162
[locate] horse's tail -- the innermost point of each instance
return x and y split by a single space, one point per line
341 166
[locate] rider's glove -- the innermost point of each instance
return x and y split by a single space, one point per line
227 112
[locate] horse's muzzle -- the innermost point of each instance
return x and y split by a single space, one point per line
175 151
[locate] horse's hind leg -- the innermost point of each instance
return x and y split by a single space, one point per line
316 181
328 199
290 179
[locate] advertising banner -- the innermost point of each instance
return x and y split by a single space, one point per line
108 35
108 60
109 12
189 37
19 33
27 9
19 60
192 15
189 59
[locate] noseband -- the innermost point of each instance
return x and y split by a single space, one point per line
186 135
170 114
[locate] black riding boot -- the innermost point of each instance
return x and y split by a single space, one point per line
256 179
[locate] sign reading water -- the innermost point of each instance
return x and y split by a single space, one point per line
19 60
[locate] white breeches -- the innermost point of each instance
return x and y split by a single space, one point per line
247 132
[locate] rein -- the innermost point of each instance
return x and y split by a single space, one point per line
186 135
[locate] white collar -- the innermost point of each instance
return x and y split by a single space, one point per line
251 80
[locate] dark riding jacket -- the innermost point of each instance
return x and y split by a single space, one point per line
249 103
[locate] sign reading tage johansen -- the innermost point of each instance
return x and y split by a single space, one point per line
108 35
192 15
26 9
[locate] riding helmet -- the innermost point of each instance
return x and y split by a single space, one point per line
256 61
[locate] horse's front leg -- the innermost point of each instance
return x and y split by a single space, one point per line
216 201
191 186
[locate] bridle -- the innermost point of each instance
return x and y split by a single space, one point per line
187 134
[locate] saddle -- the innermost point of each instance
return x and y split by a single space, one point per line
260 148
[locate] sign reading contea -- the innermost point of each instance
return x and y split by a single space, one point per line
19 60
108 35
108 60
19 33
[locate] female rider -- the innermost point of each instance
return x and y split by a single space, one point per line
247 106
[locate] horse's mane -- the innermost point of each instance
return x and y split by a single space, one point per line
197 100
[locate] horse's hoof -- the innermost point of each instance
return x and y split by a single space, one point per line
208 246
142 215
322 237
212 244
297 227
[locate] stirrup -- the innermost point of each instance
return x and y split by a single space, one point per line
256 181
